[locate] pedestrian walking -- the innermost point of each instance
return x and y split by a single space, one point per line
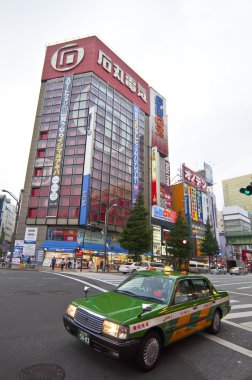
62 264
69 264
90 265
53 262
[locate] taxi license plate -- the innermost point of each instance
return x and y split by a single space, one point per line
84 337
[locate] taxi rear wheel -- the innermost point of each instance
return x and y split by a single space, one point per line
149 351
215 324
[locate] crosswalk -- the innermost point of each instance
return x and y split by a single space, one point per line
113 279
240 314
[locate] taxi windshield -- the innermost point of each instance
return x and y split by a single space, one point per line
153 288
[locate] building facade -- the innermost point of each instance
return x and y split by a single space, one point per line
193 196
231 192
7 222
100 138
236 219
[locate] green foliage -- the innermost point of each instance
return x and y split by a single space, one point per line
180 242
210 246
136 237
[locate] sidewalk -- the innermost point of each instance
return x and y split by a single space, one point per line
66 270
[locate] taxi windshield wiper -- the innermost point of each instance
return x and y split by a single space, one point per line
125 292
151 298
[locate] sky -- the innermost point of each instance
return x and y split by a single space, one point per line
195 53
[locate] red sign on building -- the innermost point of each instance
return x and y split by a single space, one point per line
92 55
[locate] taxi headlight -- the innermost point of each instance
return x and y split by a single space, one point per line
115 330
71 310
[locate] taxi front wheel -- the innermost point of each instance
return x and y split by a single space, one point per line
215 324
149 351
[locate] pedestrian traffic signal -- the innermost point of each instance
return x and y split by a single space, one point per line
247 190
78 251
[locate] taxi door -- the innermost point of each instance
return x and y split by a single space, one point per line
184 311
205 301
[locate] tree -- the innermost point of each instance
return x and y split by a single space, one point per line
137 235
180 242
210 246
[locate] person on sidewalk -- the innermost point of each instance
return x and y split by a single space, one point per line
53 262
62 264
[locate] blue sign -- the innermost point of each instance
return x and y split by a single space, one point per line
135 172
84 200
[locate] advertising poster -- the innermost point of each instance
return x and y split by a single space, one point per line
18 248
87 167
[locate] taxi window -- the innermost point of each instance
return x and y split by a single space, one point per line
148 287
183 292
201 288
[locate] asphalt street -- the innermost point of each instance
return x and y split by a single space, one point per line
33 341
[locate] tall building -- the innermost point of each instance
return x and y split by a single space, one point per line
231 192
7 222
193 196
100 139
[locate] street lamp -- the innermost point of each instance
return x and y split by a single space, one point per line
18 200
105 235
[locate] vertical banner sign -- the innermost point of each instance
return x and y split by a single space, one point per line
60 142
194 213
159 130
135 174
204 207
199 205
187 203
87 168
154 175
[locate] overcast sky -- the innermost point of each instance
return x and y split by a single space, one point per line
195 53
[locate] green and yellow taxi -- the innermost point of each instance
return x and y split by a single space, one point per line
148 311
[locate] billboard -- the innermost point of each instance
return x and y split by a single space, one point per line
208 174
135 171
164 214
83 219
60 142
92 55
193 179
159 130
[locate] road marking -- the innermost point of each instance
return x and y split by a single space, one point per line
242 294
227 344
242 314
233 301
243 306
239 325
245 287
247 324
235 283
83 282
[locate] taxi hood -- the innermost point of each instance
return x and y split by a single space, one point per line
117 307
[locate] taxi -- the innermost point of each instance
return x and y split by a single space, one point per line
147 312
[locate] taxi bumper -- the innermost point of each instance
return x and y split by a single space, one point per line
116 348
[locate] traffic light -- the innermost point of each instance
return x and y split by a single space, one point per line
78 251
247 190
